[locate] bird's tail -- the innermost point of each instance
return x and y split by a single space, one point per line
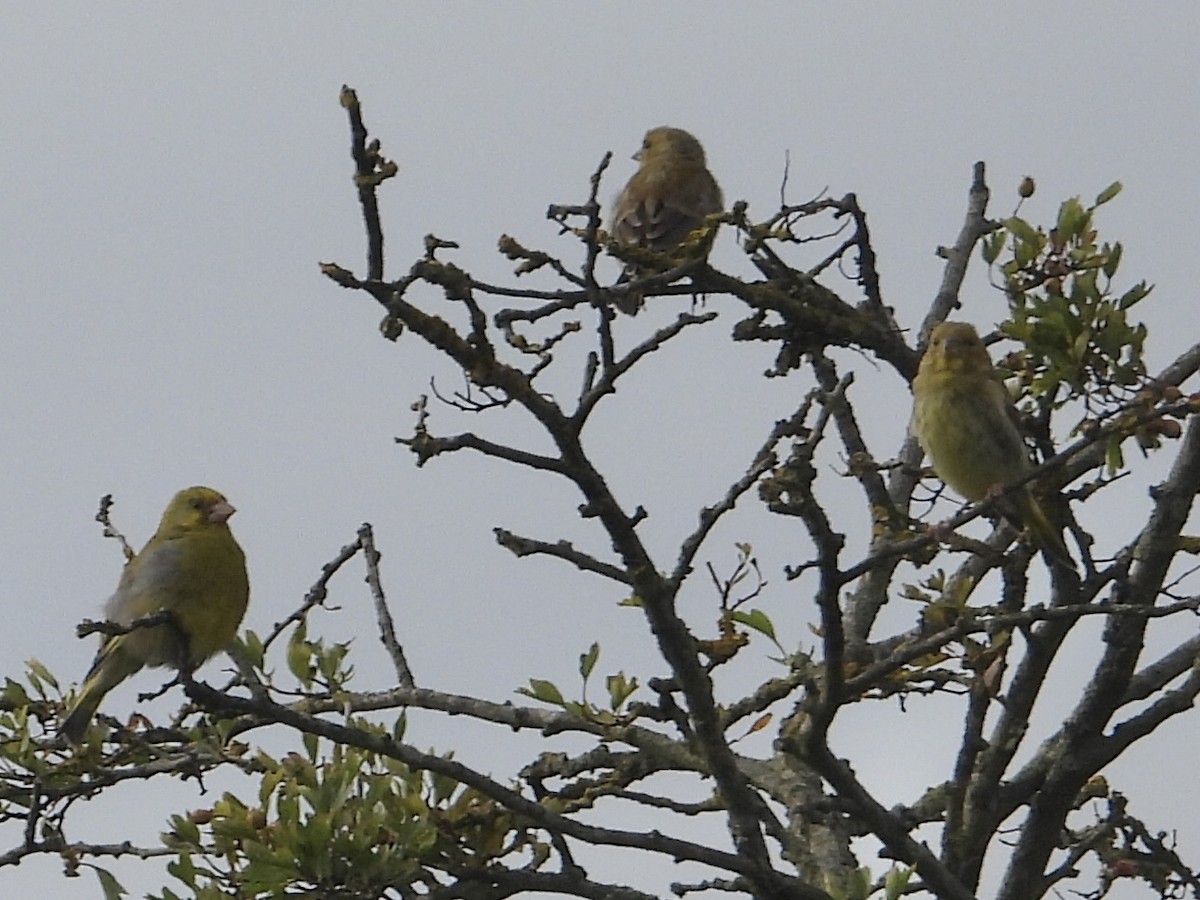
1048 538
111 667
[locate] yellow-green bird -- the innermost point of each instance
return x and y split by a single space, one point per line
192 567
667 198
966 422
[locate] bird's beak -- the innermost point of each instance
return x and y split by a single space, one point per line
638 156
220 512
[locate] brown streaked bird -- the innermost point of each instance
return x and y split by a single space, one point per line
667 198
966 422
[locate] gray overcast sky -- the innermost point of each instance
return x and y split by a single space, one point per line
173 174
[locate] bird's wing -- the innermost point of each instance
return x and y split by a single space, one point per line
141 590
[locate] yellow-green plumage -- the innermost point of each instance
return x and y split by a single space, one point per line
193 567
966 422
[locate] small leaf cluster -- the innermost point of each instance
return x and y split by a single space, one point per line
338 819
860 884
312 662
1064 307
619 687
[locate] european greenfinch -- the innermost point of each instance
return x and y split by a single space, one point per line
667 198
966 422
191 567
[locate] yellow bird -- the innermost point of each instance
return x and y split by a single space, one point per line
192 567
966 422
667 198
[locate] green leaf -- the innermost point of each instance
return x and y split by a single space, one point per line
299 654
1112 259
184 869
36 668
14 693
185 830
1072 219
587 661
1108 193
895 882
992 245
252 645
109 884
546 691
575 708
858 884
311 745
620 689
1134 295
758 620
1022 231
1113 456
